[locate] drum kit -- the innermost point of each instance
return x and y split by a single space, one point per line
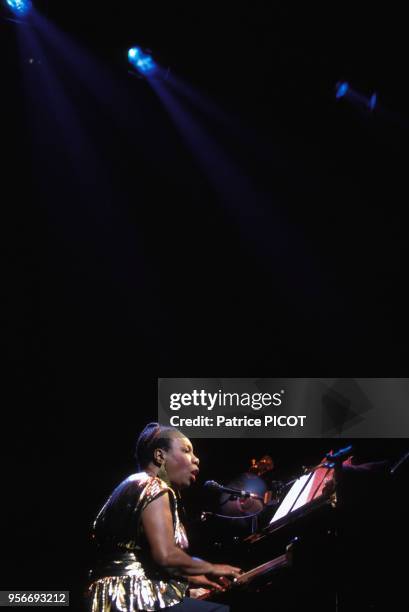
246 503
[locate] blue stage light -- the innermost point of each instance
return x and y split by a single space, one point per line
341 89
372 102
142 61
19 7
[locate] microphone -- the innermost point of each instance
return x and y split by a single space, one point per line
212 484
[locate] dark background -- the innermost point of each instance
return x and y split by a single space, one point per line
124 261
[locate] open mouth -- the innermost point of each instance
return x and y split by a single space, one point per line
194 474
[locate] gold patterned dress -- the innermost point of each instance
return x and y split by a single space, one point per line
125 578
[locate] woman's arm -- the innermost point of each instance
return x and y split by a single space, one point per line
158 527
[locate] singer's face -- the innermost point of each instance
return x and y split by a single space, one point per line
182 465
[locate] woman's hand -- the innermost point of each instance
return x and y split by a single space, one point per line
203 581
215 580
219 570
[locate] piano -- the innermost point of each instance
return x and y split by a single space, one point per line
329 546
288 551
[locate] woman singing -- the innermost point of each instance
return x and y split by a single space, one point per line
141 542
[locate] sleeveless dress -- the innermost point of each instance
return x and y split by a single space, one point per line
125 578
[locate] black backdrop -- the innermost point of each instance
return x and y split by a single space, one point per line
125 263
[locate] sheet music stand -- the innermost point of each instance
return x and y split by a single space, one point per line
305 489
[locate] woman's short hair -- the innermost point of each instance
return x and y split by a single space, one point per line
152 437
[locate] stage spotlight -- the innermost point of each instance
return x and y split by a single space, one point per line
142 61
19 7
372 101
341 89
